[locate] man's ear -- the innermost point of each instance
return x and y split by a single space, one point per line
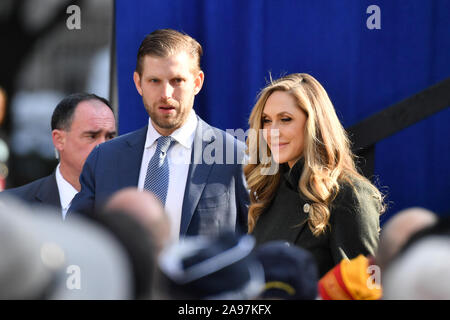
137 82
198 81
59 139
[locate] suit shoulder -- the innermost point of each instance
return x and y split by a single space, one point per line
27 191
230 138
231 142
128 138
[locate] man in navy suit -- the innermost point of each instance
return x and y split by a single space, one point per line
79 122
206 191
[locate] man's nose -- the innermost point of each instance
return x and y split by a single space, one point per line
167 91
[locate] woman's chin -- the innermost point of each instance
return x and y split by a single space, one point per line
279 160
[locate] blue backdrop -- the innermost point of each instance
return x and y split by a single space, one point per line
363 70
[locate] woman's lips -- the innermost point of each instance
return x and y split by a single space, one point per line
279 146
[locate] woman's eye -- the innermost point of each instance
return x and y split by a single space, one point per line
286 119
265 120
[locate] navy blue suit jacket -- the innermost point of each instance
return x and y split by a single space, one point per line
215 198
41 191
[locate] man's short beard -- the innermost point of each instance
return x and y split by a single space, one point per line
167 123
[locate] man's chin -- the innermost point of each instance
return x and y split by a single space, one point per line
167 122
167 125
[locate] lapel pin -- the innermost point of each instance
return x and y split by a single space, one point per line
306 207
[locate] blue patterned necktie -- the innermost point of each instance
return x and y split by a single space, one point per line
157 177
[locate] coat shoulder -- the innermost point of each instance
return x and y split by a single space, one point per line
131 138
29 190
356 194
356 207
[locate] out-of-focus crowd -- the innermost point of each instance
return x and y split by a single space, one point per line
125 252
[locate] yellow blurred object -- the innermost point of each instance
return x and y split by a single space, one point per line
351 280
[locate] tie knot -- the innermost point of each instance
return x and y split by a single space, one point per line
164 143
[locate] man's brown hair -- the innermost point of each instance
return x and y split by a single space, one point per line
166 42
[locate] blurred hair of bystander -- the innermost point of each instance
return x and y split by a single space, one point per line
42 257
421 272
211 268
145 208
290 272
399 229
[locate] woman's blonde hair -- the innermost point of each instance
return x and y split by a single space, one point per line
328 159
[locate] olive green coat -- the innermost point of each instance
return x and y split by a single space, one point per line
354 221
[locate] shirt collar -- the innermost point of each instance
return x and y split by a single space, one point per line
183 135
66 191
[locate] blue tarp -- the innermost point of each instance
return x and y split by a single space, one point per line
363 70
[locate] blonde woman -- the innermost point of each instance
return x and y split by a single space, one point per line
316 199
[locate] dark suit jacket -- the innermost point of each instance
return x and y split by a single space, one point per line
354 222
215 197
41 191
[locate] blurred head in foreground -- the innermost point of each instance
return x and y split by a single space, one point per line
42 257
212 268
146 209
399 229
290 271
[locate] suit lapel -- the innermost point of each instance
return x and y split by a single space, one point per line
197 175
48 192
129 162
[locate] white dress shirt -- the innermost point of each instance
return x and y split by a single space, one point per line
179 158
66 192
